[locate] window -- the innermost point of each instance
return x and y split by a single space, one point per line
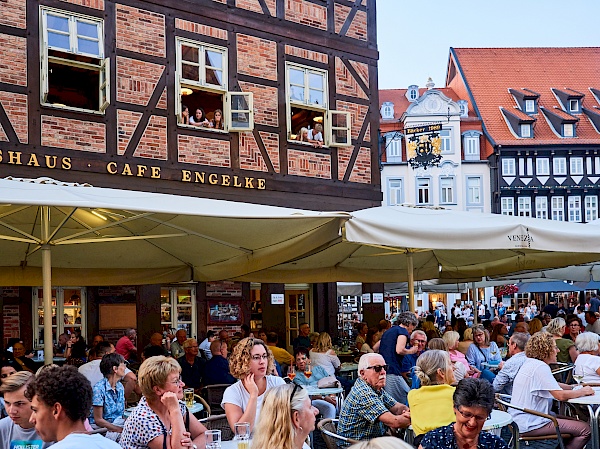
524 205
541 207
525 129
576 165
591 208
393 147
74 72
395 192
446 141
574 208
529 105
560 166
508 167
307 106
558 208
474 191
464 108
542 166
202 85
568 130
178 309
412 93
471 146
387 110
447 190
573 105
507 206
68 303
423 191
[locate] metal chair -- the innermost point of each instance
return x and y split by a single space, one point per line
214 395
518 437
563 372
201 400
219 422
328 428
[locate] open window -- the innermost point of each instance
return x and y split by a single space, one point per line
308 115
74 72
201 87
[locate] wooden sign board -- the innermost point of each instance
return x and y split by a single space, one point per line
117 316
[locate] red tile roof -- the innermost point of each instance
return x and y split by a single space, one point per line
490 72
520 114
562 114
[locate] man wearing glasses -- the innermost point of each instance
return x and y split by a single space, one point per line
419 339
503 382
369 410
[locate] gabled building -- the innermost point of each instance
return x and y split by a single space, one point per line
540 116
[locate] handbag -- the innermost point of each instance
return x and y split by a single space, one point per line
328 382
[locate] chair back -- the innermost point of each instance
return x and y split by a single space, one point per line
328 428
207 411
219 422
214 396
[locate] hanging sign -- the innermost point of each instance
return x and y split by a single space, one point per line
424 146
366 298
377 298
277 298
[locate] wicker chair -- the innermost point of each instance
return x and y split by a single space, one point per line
328 428
214 395
219 422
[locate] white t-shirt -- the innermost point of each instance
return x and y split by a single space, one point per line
236 394
531 389
14 436
328 360
82 440
91 371
587 365
205 346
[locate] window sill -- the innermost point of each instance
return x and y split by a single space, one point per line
202 128
307 144
61 107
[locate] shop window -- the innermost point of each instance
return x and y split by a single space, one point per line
178 310
68 303
202 86
309 119
74 72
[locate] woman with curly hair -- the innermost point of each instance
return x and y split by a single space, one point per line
286 419
250 362
568 351
535 386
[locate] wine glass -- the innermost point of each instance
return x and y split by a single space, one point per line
578 378
308 370
291 372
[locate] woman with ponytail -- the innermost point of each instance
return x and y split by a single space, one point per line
434 370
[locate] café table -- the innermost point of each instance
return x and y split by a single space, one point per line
497 420
337 391
231 444
196 408
55 360
349 370
590 401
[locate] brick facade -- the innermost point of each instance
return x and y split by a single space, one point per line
11 322
358 113
271 143
13 13
141 31
72 134
126 123
15 106
306 54
13 60
203 151
250 156
257 57
305 163
265 103
306 13
358 27
153 144
136 80
361 171
95 4
345 83
254 5
198 28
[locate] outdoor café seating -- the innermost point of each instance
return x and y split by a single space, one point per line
219 422
328 428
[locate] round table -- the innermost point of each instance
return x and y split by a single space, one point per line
349 369
590 401
497 420
230 444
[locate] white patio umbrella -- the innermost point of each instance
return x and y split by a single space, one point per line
65 233
391 244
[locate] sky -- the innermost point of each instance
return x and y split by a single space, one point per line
414 39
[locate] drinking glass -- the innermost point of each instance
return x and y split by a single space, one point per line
291 372
242 434
188 394
213 439
578 378
308 370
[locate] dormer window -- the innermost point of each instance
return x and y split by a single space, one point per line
569 99
529 106
568 130
562 123
387 110
573 105
525 130
464 108
520 124
526 100
412 93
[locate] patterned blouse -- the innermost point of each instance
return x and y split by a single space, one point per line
443 438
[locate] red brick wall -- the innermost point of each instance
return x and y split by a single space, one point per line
126 123
358 27
265 103
254 5
198 28
153 144
362 69
10 322
162 101
15 106
73 134
361 172
13 59
136 80
140 31
224 289
306 13
344 154
96 4
340 15
305 163
199 150
306 54
358 113
271 142
3 137
345 83
257 57
250 156
13 13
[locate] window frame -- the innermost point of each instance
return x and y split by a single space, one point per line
446 141
472 145
329 129
103 65
529 106
522 128
392 143
538 165
591 210
424 189
507 205
576 165
573 101
173 306
574 208
447 192
524 206
571 130
557 213
477 188
391 189
509 166
559 166
541 207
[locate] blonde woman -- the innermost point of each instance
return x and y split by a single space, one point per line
324 355
159 419
382 443
568 351
463 346
286 419
434 370
534 326
250 362
458 358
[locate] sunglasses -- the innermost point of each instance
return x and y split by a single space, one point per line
296 387
378 368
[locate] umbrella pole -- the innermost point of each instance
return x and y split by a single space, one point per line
47 286
411 281
475 308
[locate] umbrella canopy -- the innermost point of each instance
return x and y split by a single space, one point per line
546 287
581 273
389 244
